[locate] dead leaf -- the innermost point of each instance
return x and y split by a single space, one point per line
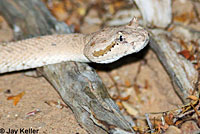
111 9
58 10
137 90
16 98
139 129
127 83
187 55
124 98
57 104
179 122
185 17
146 86
183 44
119 104
192 97
81 11
1 19
32 113
169 119
130 109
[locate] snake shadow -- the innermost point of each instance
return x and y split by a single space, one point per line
123 61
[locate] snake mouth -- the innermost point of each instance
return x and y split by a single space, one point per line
105 51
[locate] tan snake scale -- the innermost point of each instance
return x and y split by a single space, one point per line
104 46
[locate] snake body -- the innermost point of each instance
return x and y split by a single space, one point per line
104 46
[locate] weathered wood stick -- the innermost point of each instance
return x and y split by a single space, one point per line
180 70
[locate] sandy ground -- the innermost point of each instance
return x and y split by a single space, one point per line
37 90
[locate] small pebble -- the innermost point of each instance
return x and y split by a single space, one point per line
173 130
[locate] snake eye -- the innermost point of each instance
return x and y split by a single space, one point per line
120 38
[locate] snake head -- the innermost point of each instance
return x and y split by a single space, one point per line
110 44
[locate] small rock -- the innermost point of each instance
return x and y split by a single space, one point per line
173 130
190 127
